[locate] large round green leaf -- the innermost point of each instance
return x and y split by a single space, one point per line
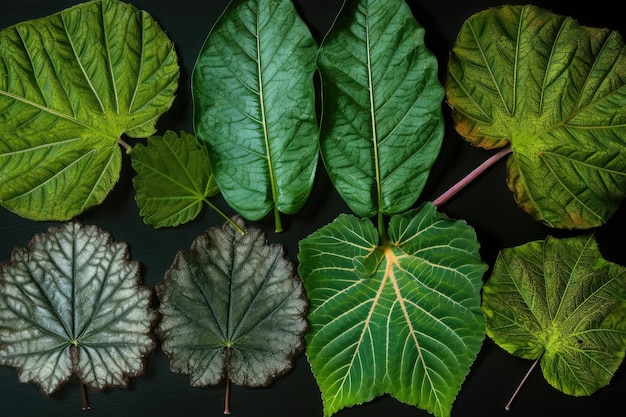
400 317
254 107
554 90
70 85
382 125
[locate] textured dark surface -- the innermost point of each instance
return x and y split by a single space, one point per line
487 205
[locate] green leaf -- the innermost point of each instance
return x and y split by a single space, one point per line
556 91
232 309
70 85
560 301
72 303
382 124
402 317
254 106
173 180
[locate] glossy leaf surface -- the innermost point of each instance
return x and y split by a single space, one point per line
382 126
70 85
173 179
254 107
232 308
400 317
72 303
554 90
560 301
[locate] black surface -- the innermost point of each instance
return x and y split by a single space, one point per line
487 205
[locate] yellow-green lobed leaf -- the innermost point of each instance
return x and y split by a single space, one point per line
559 300
554 90
70 85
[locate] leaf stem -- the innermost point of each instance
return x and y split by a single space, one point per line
125 145
507 407
83 394
227 394
221 213
277 222
471 176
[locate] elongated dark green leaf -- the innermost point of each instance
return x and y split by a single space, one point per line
173 179
232 309
72 303
400 317
561 301
382 125
255 107
70 85
554 90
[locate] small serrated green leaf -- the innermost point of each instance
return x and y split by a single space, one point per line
174 179
72 303
560 301
400 317
70 85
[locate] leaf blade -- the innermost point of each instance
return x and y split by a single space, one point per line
255 71
554 90
67 93
382 124
382 321
563 303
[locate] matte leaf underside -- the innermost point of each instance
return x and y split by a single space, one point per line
400 317
382 124
72 303
70 85
232 309
554 90
174 179
254 107
560 301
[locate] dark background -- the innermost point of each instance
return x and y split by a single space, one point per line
487 205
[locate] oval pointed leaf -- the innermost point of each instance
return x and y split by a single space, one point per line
70 85
72 303
402 318
556 91
254 106
560 301
382 125
232 307
173 179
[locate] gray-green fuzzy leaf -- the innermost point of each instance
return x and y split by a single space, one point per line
70 85
72 303
232 308
254 106
382 124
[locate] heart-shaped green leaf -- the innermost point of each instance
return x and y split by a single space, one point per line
254 106
232 309
382 125
402 317
557 92
72 303
560 301
174 179
70 85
